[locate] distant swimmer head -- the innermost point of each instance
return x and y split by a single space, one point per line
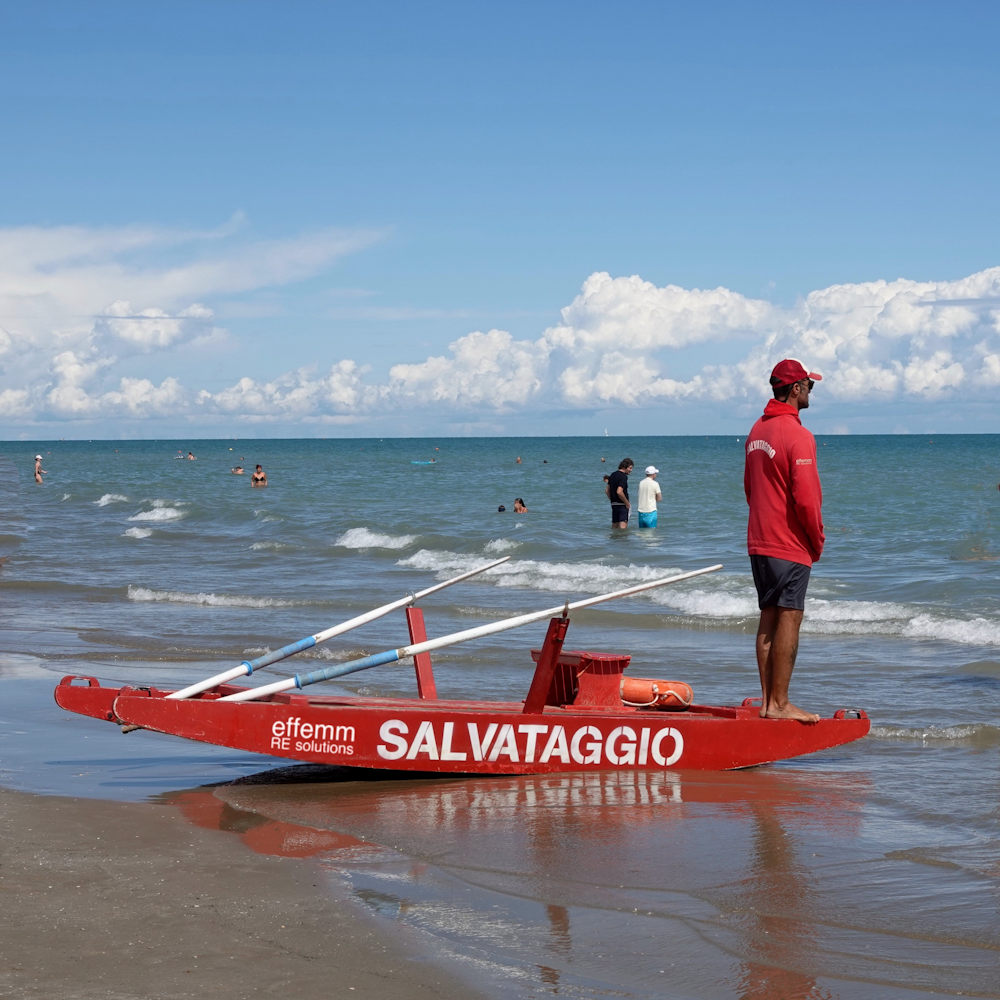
501 509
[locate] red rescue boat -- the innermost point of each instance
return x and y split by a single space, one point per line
580 714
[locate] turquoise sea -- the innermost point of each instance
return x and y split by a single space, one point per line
866 872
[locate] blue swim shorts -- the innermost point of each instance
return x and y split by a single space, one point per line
647 519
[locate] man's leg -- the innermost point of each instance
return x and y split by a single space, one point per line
765 636
778 638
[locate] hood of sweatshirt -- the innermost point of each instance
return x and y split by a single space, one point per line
775 408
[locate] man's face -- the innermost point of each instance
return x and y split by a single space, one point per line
628 470
804 387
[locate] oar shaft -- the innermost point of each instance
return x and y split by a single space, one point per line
392 655
247 667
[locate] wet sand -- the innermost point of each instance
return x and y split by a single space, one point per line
128 900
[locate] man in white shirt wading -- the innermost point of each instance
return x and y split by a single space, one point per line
649 493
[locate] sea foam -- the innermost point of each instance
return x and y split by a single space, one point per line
981 732
725 598
211 600
110 498
365 538
137 533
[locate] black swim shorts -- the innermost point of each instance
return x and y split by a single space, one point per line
619 513
780 582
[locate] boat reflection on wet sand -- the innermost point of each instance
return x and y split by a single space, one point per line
767 883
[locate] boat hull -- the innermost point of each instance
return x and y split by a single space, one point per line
470 737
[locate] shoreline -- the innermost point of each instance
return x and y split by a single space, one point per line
124 900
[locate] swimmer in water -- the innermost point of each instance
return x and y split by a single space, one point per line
237 470
259 478
39 471
191 456
519 507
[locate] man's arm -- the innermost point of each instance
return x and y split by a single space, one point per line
622 498
659 496
807 494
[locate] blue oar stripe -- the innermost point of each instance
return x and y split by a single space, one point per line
376 660
279 654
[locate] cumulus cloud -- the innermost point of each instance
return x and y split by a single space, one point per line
74 302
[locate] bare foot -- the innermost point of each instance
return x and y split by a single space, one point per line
790 711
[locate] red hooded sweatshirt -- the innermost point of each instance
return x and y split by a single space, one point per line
782 486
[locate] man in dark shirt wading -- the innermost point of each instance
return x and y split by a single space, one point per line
618 494
785 533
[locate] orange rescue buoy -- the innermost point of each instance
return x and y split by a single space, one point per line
640 692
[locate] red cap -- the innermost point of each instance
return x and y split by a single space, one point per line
788 371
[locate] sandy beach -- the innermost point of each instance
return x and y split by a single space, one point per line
124 901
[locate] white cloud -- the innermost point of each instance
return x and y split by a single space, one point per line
75 302
609 311
483 370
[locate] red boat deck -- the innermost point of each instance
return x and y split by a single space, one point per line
572 719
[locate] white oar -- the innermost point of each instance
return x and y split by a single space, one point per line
247 667
392 655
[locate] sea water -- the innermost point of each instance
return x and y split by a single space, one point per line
871 870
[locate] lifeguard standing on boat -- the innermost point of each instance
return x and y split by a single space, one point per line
785 533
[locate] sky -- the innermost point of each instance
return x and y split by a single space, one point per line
332 219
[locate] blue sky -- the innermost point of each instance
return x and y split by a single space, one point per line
219 202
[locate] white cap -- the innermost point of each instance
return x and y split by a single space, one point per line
652 470
38 458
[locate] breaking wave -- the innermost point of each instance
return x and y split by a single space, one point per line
365 538
591 578
728 599
211 600
137 533
110 498
501 545
158 514
273 546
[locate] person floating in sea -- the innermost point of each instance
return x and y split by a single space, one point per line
618 493
519 507
649 494
259 478
518 459
39 471
191 456
237 470
785 531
